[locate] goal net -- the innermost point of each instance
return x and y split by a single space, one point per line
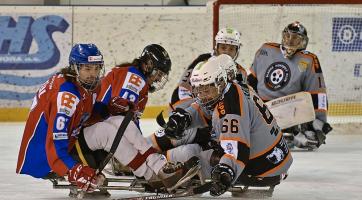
335 36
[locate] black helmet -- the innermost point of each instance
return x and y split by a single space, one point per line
294 38
296 27
159 57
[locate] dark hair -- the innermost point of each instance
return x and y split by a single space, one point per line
136 62
69 74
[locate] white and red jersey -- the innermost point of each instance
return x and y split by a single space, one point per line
59 109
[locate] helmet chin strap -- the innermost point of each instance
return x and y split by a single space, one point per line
83 84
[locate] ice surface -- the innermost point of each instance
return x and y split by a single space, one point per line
334 172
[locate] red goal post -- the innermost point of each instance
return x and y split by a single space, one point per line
335 36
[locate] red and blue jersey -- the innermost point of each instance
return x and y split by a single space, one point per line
126 82
58 111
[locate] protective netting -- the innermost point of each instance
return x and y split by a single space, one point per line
335 36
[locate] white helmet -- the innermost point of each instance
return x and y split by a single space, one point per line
228 64
228 36
208 81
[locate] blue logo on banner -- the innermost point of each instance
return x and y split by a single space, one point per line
17 37
347 34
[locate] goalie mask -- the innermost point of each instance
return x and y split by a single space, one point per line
156 66
86 62
294 39
208 81
227 39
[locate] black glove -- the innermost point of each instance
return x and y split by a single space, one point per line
310 135
177 123
221 175
321 129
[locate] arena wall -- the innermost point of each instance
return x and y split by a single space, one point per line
41 38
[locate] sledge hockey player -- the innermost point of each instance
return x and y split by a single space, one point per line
126 88
54 141
287 68
249 147
227 41
59 109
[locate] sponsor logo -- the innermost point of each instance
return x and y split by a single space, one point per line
94 58
195 80
132 88
263 52
17 38
276 156
322 101
302 65
280 101
60 136
277 76
67 103
347 34
229 148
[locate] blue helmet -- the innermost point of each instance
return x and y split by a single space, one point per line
85 54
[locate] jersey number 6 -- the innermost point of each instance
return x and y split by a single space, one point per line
233 125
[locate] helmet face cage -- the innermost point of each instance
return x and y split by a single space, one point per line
228 36
86 84
208 95
83 55
158 80
208 83
294 38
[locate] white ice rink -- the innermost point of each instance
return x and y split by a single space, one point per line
334 172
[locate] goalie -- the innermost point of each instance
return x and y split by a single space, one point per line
287 68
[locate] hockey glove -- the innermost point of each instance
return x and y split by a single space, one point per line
84 177
306 139
119 105
222 176
318 129
177 123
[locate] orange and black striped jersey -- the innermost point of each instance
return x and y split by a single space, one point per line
273 76
249 134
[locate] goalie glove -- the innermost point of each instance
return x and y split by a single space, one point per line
320 129
312 134
222 176
305 139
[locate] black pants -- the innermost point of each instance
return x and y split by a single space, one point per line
83 154
248 180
